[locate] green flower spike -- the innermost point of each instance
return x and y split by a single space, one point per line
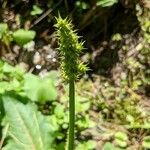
71 66
69 49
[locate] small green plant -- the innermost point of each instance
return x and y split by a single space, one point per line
36 10
34 102
70 49
108 146
121 139
20 36
26 119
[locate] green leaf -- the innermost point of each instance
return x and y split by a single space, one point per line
108 146
146 142
3 29
106 3
8 68
61 146
121 143
22 36
89 145
82 104
59 111
121 139
38 89
36 10
121 136
28 129
85 122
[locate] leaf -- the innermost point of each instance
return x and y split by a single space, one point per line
59 111
28 129
38 89
121 136
121 139
88 145
108 146
120 143
106 3
82 104
23 36
146 142
8 68
61 146
36 10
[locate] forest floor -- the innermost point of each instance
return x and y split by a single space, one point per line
113 95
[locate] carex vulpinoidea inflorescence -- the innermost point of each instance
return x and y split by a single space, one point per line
70 49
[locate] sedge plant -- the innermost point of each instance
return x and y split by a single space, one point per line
71 66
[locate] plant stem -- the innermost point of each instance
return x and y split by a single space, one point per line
71 114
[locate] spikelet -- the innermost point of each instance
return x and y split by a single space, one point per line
70 49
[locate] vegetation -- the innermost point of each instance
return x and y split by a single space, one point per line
40 108
71 66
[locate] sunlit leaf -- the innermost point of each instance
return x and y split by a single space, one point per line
106 3
38 89
22 36
36 10
108 146
28 129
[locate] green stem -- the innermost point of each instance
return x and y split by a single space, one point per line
71 114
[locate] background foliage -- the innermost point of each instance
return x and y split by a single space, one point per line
112 105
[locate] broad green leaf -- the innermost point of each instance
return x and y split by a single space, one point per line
28 129
38 89
3 29
53 75
108 146
36 10
23 36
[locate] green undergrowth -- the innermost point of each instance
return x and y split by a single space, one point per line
34 111
121 117
120 102
111 113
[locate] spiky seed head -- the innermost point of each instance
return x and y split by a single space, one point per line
70 49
